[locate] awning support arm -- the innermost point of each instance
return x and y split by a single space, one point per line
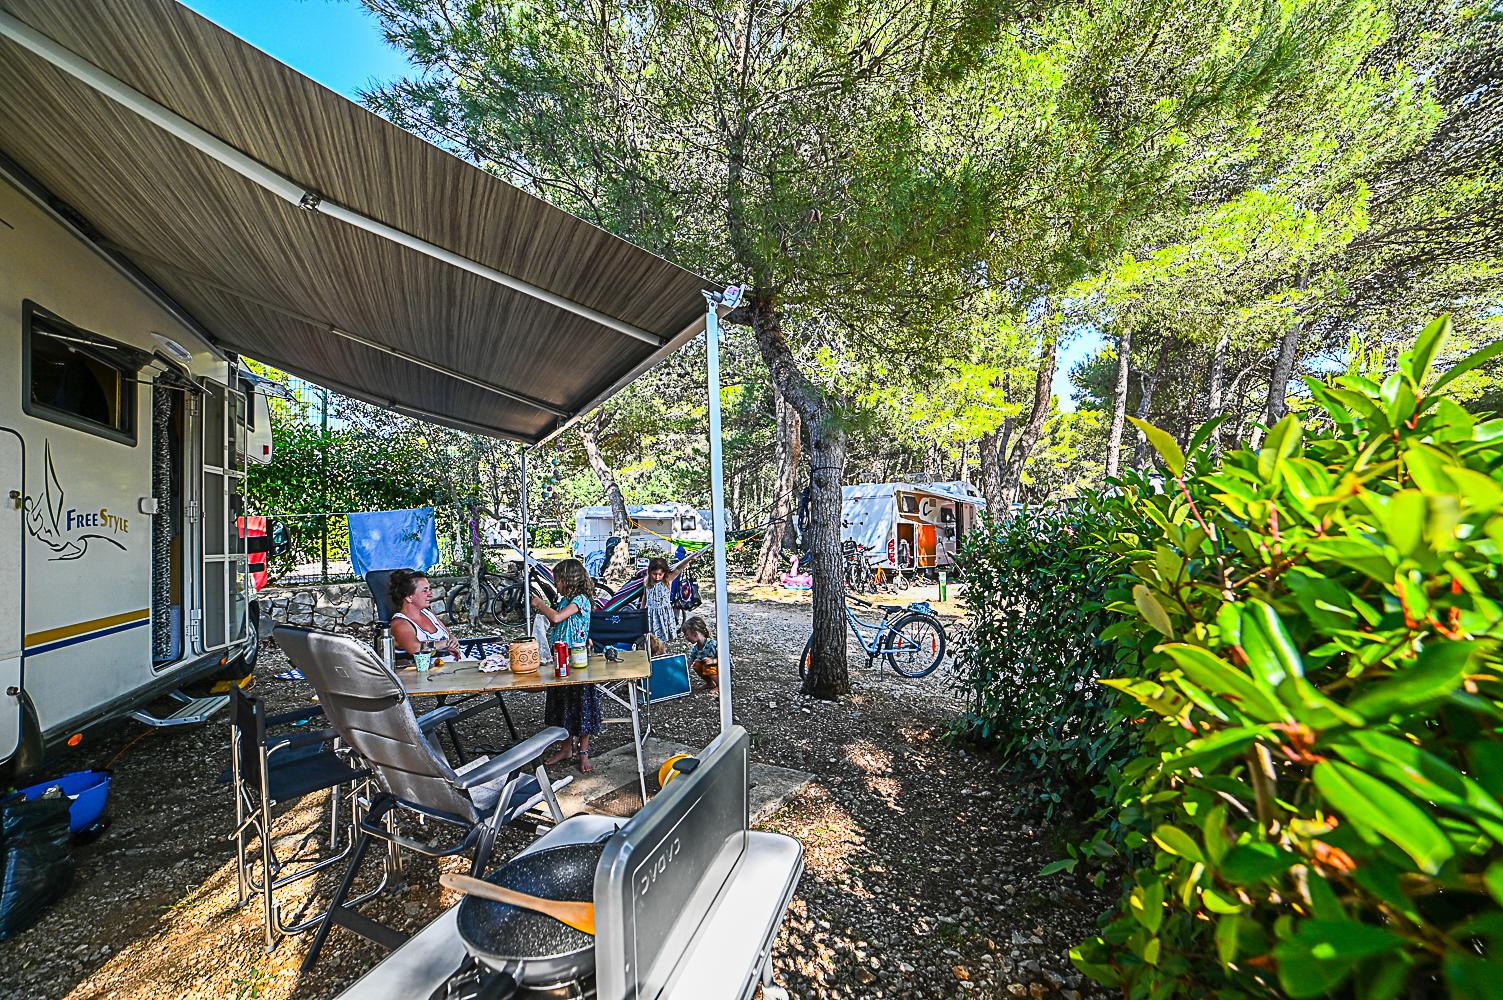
288 190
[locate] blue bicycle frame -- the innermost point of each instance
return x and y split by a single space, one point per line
861 628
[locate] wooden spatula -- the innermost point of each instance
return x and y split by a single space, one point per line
578 915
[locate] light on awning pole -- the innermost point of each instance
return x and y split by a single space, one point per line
717 506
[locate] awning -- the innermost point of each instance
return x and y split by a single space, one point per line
300 229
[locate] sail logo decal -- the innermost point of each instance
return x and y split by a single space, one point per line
67 532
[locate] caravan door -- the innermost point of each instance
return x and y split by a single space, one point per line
12 494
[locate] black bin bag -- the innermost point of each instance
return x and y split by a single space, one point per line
36 865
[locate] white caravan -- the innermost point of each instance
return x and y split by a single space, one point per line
652 526
123 441
909 527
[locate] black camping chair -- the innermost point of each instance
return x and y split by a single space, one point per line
266 772
367 705
627 627
379 583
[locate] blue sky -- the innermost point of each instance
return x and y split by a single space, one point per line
336 43
339 44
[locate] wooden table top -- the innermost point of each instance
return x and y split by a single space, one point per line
466 677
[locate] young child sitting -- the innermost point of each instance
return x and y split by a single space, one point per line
703 657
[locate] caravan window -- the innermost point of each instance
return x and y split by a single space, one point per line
79 379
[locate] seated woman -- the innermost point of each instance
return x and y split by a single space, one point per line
412 624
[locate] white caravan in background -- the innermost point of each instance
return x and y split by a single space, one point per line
123 441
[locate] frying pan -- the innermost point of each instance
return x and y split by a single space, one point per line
534 949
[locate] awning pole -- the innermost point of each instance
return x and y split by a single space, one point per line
717 508
526 551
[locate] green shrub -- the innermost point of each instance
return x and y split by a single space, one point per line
1318 808
1037 587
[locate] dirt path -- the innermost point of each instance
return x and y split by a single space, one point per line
918 882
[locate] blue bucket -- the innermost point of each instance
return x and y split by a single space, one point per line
89 792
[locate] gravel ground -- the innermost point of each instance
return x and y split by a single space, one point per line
919 882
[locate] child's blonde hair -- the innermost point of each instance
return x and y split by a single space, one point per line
571 579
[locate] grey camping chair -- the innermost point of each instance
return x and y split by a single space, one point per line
366 704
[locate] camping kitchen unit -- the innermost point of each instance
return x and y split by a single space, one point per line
909 527
123 442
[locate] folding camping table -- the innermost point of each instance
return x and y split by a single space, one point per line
464 677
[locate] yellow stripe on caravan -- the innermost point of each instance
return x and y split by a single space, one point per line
69 631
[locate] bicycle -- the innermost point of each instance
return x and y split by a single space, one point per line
500 604
911 639
861 576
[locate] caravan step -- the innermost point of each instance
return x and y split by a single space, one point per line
190 711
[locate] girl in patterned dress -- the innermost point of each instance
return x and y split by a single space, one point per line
659 592
578 707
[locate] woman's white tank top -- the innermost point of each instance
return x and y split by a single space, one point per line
438 634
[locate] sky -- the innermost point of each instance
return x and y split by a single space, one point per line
336 42
339 44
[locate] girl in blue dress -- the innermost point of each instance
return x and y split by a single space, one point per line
578 707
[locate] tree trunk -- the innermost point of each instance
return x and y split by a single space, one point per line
827 676
620 564
782 499
1145 404
1214 387
1283 368
1012 472
1119 402
986 471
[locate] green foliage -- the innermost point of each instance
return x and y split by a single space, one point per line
1318 806
355 456
1036 595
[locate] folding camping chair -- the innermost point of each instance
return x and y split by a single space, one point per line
268 772
367 705
379 583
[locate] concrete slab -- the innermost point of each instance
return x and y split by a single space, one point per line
612 789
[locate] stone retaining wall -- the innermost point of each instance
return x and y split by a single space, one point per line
328 605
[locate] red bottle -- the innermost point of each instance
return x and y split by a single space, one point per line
561 659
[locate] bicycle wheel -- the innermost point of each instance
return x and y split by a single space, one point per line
914 645
457 606
506 609
803 661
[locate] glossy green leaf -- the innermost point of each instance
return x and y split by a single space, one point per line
1426 346
1379 807
1226 682
1434 673
1152 610
1283 438
1248 863
1204 431
1163 442
1178 842
1474 360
